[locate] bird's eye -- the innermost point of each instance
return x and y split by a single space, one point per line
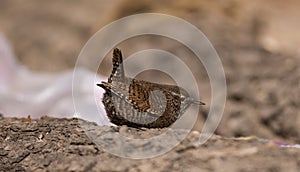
178 95
174 94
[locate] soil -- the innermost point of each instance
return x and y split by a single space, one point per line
51 144
258 45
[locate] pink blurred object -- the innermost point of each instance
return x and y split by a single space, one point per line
23 92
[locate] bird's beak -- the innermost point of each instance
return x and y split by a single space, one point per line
195 102
198 102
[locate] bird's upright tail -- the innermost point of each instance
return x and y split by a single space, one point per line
117 73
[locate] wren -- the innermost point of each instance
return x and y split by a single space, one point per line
139 103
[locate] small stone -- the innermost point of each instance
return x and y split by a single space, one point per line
41 136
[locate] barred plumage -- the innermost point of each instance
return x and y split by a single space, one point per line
139 103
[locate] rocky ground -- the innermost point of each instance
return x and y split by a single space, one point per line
51 144
259 48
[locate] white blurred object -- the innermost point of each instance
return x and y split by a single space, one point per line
23 92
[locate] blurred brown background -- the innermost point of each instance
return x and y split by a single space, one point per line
257 41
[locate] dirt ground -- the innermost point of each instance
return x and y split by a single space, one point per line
258 45
51 144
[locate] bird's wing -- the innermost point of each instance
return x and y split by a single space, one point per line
138 102
132 94
139 96
147 97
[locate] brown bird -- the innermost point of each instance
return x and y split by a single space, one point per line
138 103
